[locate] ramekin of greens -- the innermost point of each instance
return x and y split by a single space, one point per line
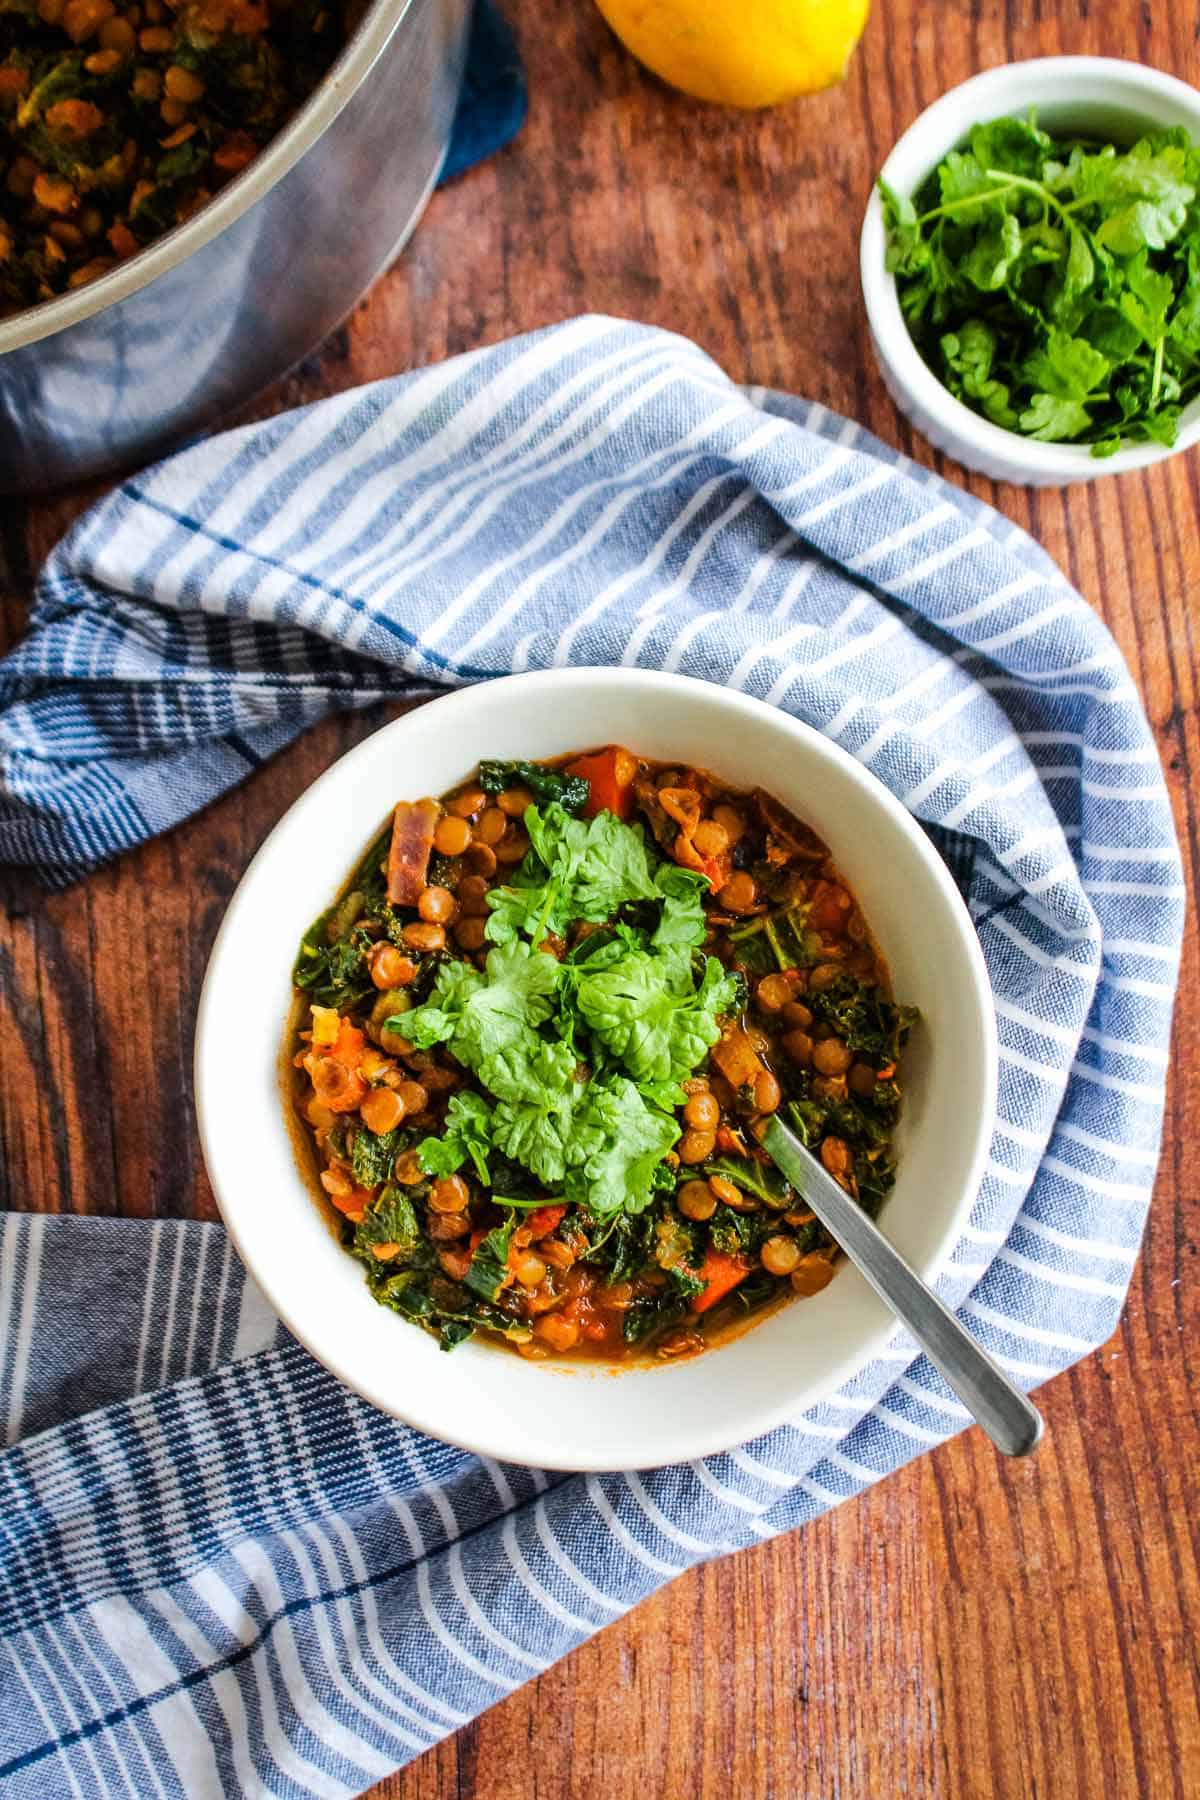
1031 270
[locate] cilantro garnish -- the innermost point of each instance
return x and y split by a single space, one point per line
1053 285
580 1060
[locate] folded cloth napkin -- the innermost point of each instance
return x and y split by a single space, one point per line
493 100
221 1572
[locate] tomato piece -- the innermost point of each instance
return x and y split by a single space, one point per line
610 773
545 1220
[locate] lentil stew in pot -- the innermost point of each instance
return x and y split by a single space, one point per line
122 118
535 1038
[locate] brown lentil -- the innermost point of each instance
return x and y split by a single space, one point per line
512 846
739 895
780 1255
773 992
831 1057
823 976
437 906
697 1146
471 934
703 1112
451 836
425 937
710 838
696 1200
449 1194
382 1110
812 1273
480 859
472 896
413 1096
445 1227
767 1092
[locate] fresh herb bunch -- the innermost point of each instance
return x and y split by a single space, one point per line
634 1004
1053 285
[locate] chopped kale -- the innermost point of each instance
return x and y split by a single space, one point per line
572 792
372 1156
863 1017
489 1265
760 1179
391 1219
333 973
780 940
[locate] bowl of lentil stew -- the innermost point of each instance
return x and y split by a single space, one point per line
192 193
387 965
536 1038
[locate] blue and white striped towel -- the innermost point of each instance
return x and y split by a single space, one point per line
220 1572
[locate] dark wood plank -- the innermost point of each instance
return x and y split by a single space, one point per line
969 1629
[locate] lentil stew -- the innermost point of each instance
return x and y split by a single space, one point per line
121 118
536 1036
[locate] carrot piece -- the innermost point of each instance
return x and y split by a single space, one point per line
350 1045
737 1059
610 773
722 1273
353 1205
717 870
408 859
545 1220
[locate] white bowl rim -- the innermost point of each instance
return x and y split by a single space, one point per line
442 712
939 129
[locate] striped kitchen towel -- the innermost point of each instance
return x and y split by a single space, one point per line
220 1572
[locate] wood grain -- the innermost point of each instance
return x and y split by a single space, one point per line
967 1630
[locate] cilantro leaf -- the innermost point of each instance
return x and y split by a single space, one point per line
578 870
1065 366
1147 299
648 1012
466 1135
1053 419
1144 194
538 1097
620 1144
1016 146
970 353
994 253
682 921
475 1014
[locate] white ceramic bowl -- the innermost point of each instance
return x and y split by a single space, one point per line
1096 94
484 1398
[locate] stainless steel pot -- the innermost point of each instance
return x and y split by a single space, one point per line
221 306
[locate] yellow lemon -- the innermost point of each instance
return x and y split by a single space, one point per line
741 52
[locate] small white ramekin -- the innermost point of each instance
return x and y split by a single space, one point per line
1094 94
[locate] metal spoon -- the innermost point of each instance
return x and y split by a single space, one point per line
1011 1420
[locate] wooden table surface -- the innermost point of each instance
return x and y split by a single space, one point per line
967 1629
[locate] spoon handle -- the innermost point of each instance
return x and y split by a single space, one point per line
1011 1420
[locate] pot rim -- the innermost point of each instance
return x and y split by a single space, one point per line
281 155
